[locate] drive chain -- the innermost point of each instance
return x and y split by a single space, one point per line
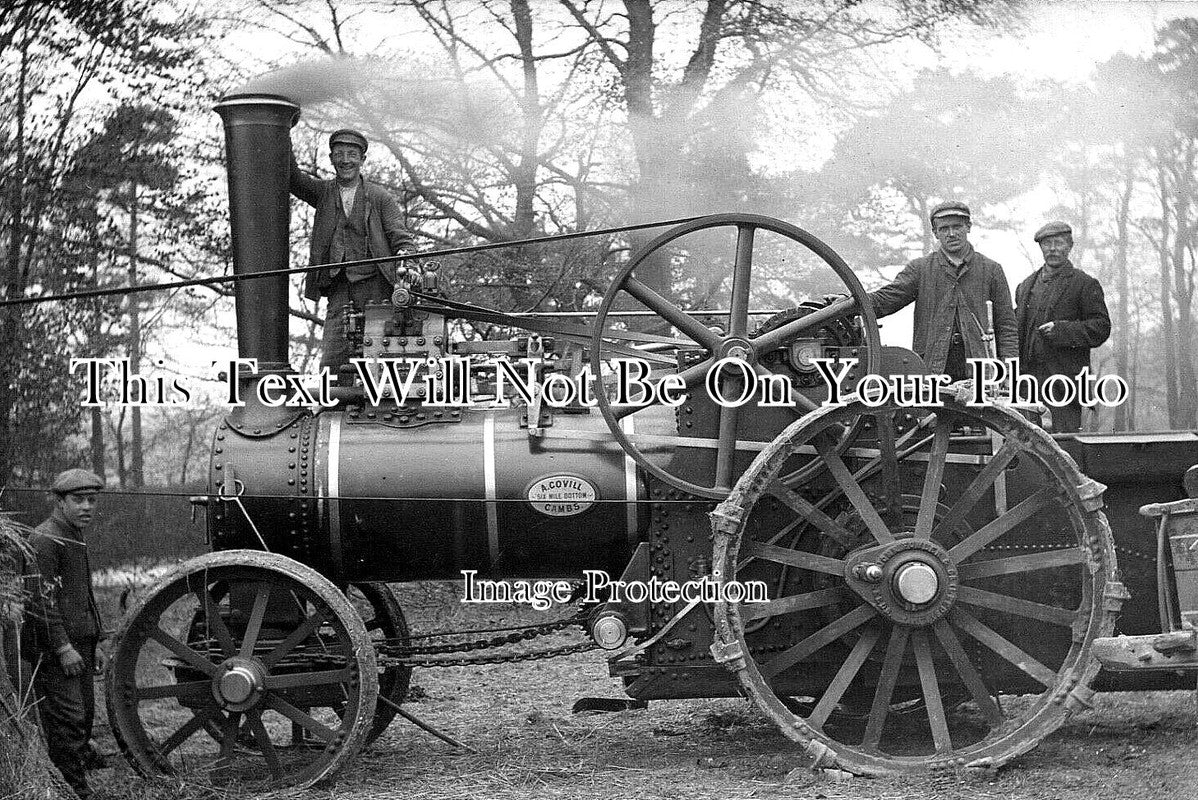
394 653
499 658
391 654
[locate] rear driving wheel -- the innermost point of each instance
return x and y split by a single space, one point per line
975 615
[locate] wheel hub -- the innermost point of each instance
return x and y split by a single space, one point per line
240 684
916 583
909 581
737 347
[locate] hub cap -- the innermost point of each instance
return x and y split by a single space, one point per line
909 581
240 685
916 583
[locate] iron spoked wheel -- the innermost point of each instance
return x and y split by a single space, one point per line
978 619
385 623
737 342
278 692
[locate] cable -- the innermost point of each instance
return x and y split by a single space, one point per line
272 273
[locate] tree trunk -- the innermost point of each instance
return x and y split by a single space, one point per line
191 437
1168 336
136 469
10 329
1123 421
97 418
1187 381
650 138
122 474
525 173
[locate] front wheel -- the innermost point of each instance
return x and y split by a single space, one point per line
242 668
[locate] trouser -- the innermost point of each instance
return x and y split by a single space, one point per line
954 363
1067 419
66 706
344 294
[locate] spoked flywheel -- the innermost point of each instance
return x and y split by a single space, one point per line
706 346
952 632
242 668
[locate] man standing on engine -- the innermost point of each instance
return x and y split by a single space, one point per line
950 288
65 644
1061 316
355 219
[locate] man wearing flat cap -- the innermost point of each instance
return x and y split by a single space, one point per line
355 220
64 645
1061 315
950 288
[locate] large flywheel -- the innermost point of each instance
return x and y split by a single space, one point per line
242 668
734 338
924 619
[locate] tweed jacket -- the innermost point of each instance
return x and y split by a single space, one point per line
1075 302
64 566
944 297
386 234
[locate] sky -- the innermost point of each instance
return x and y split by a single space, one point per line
1064 39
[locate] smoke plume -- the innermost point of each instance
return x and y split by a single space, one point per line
376 93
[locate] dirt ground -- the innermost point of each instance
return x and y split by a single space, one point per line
518 718
529 745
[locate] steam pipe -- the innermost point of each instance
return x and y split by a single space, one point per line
258 159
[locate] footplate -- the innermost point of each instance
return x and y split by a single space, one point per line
1176 648
1172 650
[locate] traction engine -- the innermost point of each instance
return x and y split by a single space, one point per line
935 575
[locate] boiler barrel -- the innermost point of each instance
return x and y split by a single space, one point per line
366 500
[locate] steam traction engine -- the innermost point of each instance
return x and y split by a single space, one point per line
937 576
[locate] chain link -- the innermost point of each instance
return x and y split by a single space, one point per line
395 648
500 658
394 653
397 654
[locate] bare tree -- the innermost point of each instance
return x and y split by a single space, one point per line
631 111
52 54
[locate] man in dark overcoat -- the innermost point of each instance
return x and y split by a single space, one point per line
950 288
355 219
1061 315
64 646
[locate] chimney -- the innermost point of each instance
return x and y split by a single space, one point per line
258 159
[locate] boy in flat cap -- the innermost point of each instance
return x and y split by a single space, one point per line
1061 314
355 219
65 645
950 288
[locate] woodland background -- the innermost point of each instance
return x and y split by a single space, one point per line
498 120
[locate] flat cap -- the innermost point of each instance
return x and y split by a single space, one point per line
77 480
949 208
348 136
1054 229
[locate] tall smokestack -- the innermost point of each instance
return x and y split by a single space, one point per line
258 159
